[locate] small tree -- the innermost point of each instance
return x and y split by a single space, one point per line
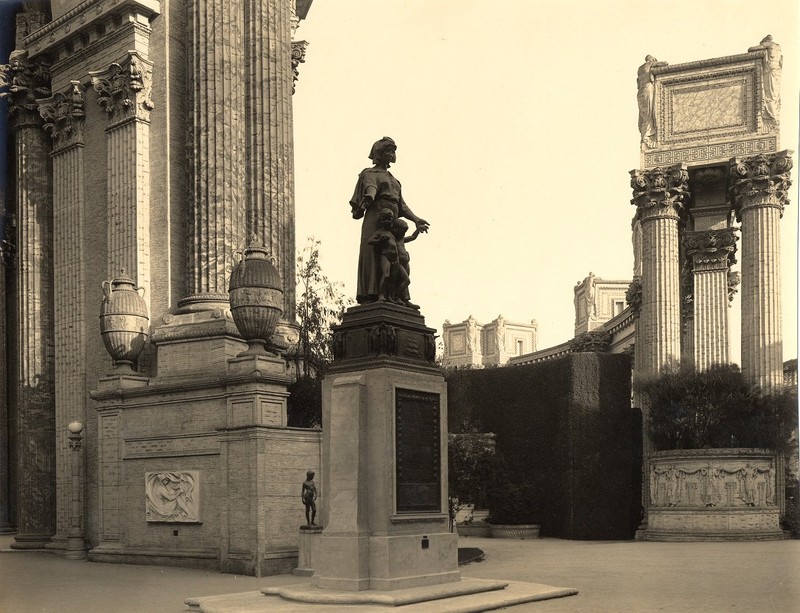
321 304
715 408
469 456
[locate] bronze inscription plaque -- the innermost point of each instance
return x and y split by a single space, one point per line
417 449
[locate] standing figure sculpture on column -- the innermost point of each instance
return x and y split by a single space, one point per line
375 191
646 97
771 77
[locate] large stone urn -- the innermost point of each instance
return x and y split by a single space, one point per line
256 294
124 322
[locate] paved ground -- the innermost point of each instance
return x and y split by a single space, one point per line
611 576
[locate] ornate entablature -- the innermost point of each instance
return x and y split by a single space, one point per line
63 116
90 27
761 179
711 110
124 89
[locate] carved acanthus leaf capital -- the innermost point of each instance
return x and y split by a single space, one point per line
125 89
711 248
660 187
734 279
298 57
761 180
63 115
22 82
633 296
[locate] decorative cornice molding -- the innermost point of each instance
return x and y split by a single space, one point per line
660 187
298 57
761 180
78 22
23 82
711 249
63 116
750 56
124 89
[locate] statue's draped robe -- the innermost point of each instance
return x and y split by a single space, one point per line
387 196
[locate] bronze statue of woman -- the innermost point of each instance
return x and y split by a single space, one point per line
376 190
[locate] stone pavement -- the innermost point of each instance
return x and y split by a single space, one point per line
611 576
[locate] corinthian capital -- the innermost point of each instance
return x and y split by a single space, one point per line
22 82
761 180
63 115
660 187
124 89
298 57
711 249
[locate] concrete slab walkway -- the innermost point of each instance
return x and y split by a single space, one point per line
610 576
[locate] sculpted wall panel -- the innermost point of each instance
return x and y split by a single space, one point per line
172 496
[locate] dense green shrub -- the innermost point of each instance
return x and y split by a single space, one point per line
304 408
511 501
716 408
469 456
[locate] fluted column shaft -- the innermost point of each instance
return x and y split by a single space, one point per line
659 194
270 144
760 193
711 254
123 92
63 116
35 333
217 210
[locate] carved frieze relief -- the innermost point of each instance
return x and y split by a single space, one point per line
713 484
172 496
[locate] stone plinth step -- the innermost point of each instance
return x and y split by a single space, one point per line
465 596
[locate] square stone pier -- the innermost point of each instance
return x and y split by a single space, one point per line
384 412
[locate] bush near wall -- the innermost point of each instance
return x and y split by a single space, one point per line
566 431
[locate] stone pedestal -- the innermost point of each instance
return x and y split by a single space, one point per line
307 554
384 457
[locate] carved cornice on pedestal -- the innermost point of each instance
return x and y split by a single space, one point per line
761 180
63 116
124 89
711 249
298 57
22 82
660 187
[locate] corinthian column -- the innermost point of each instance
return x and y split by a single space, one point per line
711 253
34 407
760 185
123 92
63 116
659 194
270 147
218 143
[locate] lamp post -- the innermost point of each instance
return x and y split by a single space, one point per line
76 547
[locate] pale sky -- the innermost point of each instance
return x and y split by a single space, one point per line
516 126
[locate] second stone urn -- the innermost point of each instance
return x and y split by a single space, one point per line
256 295
124 322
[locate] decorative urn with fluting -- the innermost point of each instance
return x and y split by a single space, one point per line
256 294
124 322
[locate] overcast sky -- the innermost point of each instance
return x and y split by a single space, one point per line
516 126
